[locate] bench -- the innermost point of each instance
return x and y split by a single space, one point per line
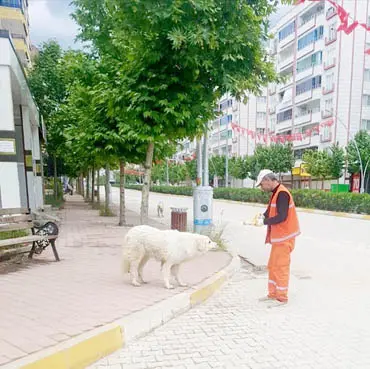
21 220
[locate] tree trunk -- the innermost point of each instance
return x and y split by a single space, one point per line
122 207
55 178
322 184
98 187
107 184
93 186
144 211
88 186
82 185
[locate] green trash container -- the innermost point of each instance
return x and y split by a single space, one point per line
339 188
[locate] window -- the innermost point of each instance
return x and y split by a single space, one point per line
308 85
226 119
286 31
328 107
261 99
330 57
260 131
311 37
226 134
366 100
226 104
329 82
331 11
11 3
332 35
367 75
285 115
312 60
365 124
261 116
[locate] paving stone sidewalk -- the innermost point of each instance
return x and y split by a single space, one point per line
44 303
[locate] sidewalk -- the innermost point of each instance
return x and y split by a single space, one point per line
44 303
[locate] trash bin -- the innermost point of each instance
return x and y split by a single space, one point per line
179 219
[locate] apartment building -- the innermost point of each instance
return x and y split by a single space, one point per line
249 116
14 18
324 97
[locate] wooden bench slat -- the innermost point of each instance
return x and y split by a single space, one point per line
15 219
19 240
14 211
15 226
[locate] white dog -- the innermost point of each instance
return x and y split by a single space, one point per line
170 247
160 209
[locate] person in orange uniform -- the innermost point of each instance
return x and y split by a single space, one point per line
282 229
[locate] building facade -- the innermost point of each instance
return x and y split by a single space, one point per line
21 131
325 94
14 18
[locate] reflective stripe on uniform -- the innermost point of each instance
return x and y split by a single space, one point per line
288 237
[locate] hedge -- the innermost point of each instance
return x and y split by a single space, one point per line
310 199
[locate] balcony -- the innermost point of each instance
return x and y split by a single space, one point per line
283 125
307 141
272 109
303 97
331 13
329 41
306 50
303 118
272 90
286 62
326 114
328 90
286 41
330 65
366 88
307 26
326 137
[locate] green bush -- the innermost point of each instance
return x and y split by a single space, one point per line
310 199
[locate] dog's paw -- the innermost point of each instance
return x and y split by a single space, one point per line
169 286
182 284
136 283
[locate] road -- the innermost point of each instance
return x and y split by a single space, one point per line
325 325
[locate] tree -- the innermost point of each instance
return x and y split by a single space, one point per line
217 166
362 140
47 84
277 157
174 59
336 163
318 164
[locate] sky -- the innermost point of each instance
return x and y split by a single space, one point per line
50 19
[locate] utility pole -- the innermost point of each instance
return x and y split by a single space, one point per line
167 174
203 193
227 168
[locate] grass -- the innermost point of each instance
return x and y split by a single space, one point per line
55 203
13 234
106 213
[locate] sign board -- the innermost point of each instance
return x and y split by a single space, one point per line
7 146
356 183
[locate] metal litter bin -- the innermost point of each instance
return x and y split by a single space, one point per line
179 219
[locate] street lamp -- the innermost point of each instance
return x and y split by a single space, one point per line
362 169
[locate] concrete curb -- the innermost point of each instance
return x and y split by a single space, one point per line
305 210
302 210
87 348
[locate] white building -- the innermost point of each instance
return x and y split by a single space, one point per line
327 76
20 134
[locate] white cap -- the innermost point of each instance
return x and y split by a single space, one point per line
262 174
